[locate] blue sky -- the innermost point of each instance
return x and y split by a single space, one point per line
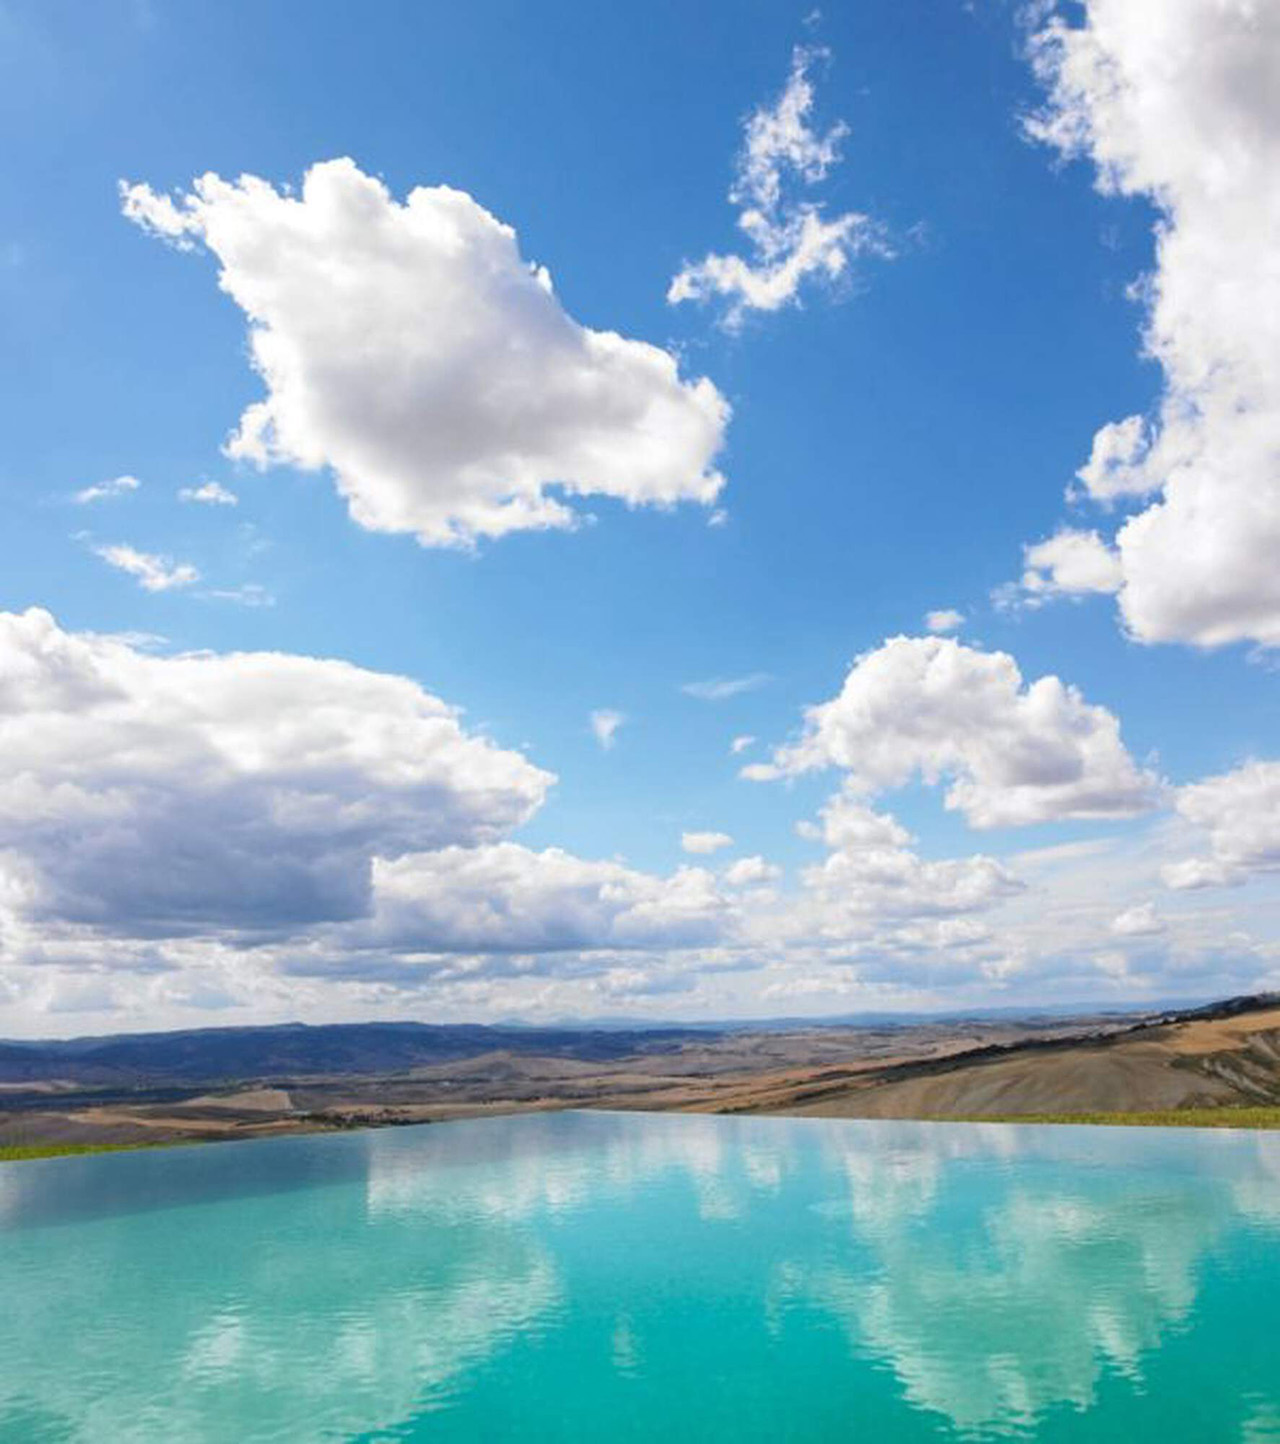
897 438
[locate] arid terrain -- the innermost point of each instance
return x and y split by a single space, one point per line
254 1082
1223 1059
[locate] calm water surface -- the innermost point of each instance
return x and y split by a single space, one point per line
630 1277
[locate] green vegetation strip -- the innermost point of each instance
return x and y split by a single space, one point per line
16 1152
1262 1117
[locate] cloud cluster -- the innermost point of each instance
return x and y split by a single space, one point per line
283 835
1239 812
790 239
1178 101
168 795
409 348
872 875
509 898
1011 753
202 824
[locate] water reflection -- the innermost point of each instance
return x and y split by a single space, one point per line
301 1323
992 1309
533 1277
556 1164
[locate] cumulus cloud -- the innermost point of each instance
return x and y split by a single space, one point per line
209 493
721 689
1012 753
1176 101
740 744
1139 921
1070 563
154 573
605 723
1111 471
162 796
705 842
104 490
791 241
409 348
751 872
1239 812
944 619
508 898
872 873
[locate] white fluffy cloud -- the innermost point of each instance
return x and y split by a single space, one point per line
161 796
1239 812
1110 472
154 573
1011 753
751 871
508 898
1178 101
705 842
104 490
1070 563
944 619
1139 921
872 874
410 348
209 493
791 241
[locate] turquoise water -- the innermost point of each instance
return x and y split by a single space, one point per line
649 1277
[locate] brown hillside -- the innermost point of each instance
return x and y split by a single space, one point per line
1191 1063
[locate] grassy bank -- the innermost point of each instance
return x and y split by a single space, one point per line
15 1152
1244 1117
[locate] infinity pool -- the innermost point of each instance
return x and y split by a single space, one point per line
589 1276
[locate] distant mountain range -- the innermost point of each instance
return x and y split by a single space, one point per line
293 1050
